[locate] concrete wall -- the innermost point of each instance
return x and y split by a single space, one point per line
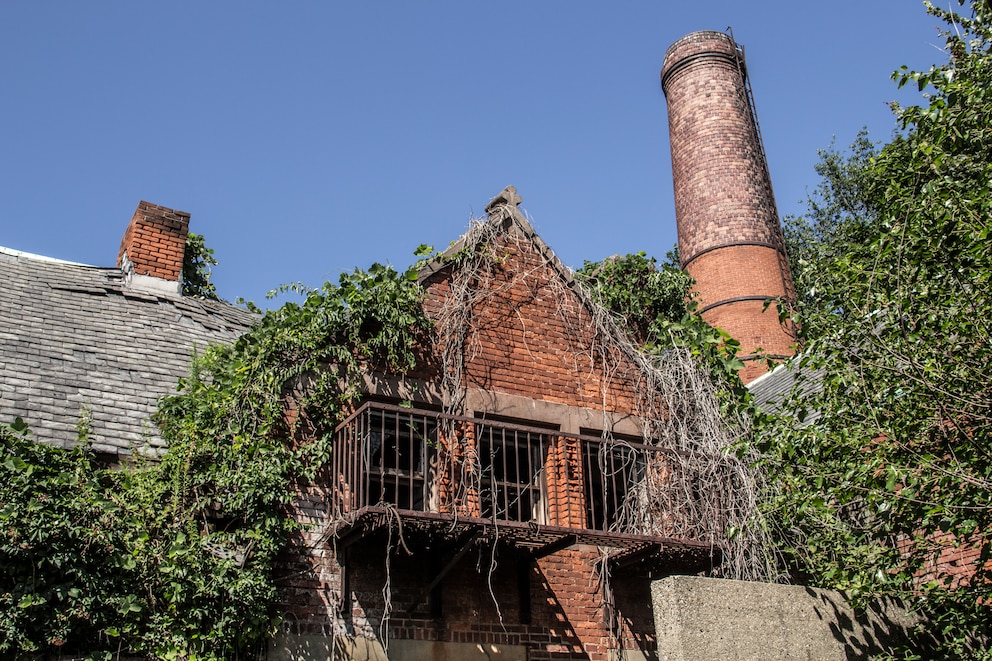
320 648
706 618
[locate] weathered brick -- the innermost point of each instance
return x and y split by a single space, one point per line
155 241
730 239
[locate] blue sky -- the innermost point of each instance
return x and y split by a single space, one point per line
307 138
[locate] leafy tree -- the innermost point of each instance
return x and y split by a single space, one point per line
839 214
197 260
883 472
656 307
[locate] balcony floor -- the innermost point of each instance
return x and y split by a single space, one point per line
425 530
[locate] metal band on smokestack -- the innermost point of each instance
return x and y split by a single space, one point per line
730 239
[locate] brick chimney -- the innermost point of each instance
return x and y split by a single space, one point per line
730 239
154 244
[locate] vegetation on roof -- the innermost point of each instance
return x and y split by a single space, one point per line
198 260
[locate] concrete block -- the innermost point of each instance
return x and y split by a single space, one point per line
707 618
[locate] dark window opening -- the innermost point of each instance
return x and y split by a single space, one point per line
613 469
396 451
512 476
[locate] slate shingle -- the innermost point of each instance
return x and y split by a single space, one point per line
770 390
74 337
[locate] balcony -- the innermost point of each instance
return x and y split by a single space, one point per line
437 477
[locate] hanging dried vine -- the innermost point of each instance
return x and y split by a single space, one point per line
696 486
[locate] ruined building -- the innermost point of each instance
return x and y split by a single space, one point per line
518 493
532 488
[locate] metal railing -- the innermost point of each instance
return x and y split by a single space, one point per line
425 461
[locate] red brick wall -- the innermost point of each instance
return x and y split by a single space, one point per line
456 487
529 336
480 601
729 235
155 241
955 561
566 497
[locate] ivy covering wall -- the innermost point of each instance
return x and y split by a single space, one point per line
174 559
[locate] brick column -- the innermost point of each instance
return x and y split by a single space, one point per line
565 488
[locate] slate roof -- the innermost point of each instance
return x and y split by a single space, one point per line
770 389
77 340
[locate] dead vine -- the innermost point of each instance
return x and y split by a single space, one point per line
691 484
695 487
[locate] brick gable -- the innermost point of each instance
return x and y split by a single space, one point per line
516 342
529 331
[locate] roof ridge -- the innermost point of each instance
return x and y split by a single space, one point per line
44 258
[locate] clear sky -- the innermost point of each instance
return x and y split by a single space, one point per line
307 138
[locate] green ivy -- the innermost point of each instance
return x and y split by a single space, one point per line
643 295
175 558
655 305
66 572
197 262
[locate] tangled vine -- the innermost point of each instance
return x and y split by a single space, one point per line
176 559
706 488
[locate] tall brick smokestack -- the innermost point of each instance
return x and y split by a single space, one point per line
730 240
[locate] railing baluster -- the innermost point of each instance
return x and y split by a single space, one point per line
503 481
397 446
411 461
364 456
592 461
614 484
405 472
565 485
399 496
